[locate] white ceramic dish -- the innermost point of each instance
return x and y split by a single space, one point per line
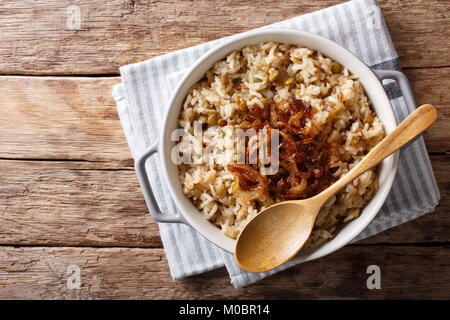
190 214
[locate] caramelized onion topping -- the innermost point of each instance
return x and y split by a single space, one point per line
249 178
306 160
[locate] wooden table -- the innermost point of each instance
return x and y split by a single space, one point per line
68 190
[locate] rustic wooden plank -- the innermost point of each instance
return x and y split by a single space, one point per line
73 204
56 203
437 137
430 228
39 38
431 85
131 273
61 118
414 26
76 118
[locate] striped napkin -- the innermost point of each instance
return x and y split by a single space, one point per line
143 95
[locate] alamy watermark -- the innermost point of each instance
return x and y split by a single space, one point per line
374 19
73 21
235 146
374 280
73 277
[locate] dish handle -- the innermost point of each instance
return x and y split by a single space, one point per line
149 196
402 81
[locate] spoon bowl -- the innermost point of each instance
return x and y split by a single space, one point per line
280 231
282 221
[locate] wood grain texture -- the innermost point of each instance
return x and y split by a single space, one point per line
431 85
113 273
68 192
36 40
76 118
73 204
59 203
61 118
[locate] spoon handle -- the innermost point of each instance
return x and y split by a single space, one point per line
411 127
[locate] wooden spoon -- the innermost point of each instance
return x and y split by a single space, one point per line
278 232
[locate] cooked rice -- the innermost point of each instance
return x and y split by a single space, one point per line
270 71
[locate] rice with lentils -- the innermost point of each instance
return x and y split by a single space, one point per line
326 127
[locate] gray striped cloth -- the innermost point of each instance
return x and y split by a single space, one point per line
145 90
